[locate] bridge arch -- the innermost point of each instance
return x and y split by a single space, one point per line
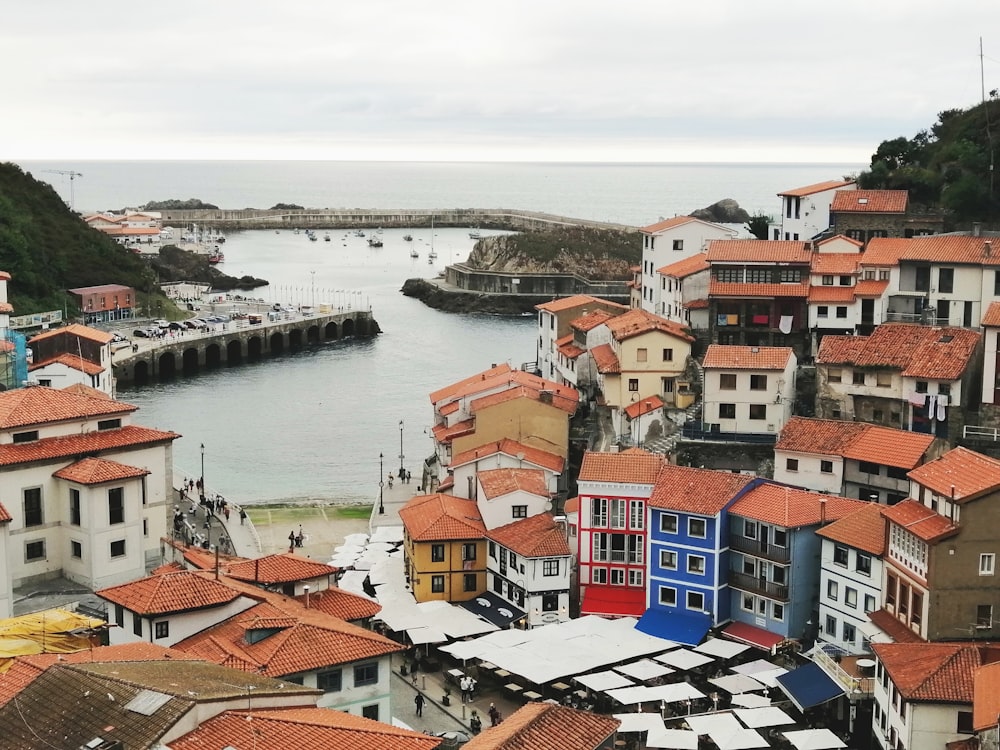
167 366
234 352
255 348
312 334
295 339
332 331
213 356
349 326
189 362
277 343
141 372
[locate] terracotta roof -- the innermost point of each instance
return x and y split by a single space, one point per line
733 357
562 397
98 288
169 593
278 568
791 507
5 515
535 536
85 390
449 408
864 529
503 381
690 490
870 201
632 466
944 248
499 482
992 315
835 264
6 307
92 471
892 627
920 520
591 320
572 505
644 406
686 267
857 440
337 602
523 453
4 276
638 321
819 187
570 350
819 294
697 304
759 251
440 517
24 407
71 446
918 351
961 473
870 287
606 359
455 388
445 434
86 332
287 728
746 289
935 672
543 726
676 221
576 300
986 697
825 436
69 360
839 239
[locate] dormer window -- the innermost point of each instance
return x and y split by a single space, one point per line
29 436
109 424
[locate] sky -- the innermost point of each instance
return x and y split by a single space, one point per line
545 80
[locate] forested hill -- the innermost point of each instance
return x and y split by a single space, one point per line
952 166
47 249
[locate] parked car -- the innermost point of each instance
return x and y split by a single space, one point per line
161 323
175 326
142 333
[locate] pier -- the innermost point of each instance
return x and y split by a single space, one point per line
227 344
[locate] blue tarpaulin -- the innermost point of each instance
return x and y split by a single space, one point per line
809 686
686 628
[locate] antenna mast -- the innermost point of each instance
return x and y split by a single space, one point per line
986 113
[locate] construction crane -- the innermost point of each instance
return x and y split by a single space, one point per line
72 176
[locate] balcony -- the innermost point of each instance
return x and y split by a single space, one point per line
757 548
755 585
856 679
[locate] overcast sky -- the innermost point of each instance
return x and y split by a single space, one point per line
545 80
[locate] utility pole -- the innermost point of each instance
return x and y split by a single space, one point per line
72 176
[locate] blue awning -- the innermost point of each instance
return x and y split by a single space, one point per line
809 686
686 628
492 608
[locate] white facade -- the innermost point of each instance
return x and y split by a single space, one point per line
169 629
6 589
899 723
465 474
504 509
811 471
670 241
676 293
58 374
991 373
805 216
358 694
758 402
537 585
850 588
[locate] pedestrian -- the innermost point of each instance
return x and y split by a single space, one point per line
472 689
418 701
475 723
390 480
243 516
225 511
494 715
463 685
291 540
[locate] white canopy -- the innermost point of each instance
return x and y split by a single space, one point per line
723 648
682 658
743 739
726 732
388 534
354 582
770 716
705 723
751 700
736 683
770 677
676 739
603 680
814 739
639 722
644 669
420 636
752 667
358 539
631 695
674 692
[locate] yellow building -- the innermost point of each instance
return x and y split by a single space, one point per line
444 545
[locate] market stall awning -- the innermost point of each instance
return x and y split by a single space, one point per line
814 739
687 628
809 686
765 639
492 608
613 601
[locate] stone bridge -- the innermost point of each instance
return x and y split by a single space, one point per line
240 341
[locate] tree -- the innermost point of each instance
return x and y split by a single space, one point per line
758 224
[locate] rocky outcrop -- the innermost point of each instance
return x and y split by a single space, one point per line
460 301
726 211
591 254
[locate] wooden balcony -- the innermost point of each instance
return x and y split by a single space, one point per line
756 548
755 585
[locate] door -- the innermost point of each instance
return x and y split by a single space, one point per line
967 315
867 312
943 312
764 535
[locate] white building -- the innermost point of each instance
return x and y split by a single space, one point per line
528 566
748 389
991 356
502 454
850 577
805 211
834 306
554 320
505 495
684 290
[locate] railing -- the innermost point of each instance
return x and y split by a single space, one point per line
759 549
864 685
927 320
695 431
973 432
755 585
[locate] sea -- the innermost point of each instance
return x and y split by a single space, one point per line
325 424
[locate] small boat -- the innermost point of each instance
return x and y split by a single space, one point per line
216 257
432 254
475 234
326 237
295 231
414 253
374 241
408 238
359 233
312 237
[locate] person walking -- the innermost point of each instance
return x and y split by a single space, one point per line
243 516
418 701
494 715
463 685
291 540
475 723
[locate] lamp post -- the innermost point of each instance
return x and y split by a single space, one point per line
401 456
313 289
202 470
381 485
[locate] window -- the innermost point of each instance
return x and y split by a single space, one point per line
366 674
119 616
834 375
668 355
635 578
493 550
696 600
599 512
758 382
964 723
845 280
946 280
162 629
863 563
26 437
921 386
831 625
513 559
858 377
469 582
118 548
779 537
883 379
109 424
74 507
469 551
633 384
747 602
136 624
641 354
778 611
437 584
869 603
116 505
599 575
890 590
437 553
668 559
867 467
832 590
497 584
34 550
678 245
916 608
840 555
33 515
696 527
878 416
76 550
636 514
617 576
758 411
550 602
826 467
790 275
823 311
696 564
668 523
370 712
850 599
519 511
984 616
987 564
750 529
850 633
727 411
668 596
791 464
550 567
727 381
617 514
827 280
895 472
841 311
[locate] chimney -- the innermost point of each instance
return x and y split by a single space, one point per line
822 511
987 249
306 589
545 397
977 229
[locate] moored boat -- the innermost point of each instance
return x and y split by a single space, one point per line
408 238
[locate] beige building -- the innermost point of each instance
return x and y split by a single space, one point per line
554 320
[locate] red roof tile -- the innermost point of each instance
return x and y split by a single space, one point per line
440 517
535 536
523 453
690 490
934 672
686 267
831 294
577 300
499 482
75 329
741 289
986 697
676 221
445 434
825 436
70 446
69 360
944 248
591 320
839 239
644 406
857 440
819 187
791 507
559 396
37 405
992 315
835 264
863 529
632 466
169 593
455 388
892 627
696 304
342 604
570 350
759 251
637 322
870 288
543 726
278 568
870 201
606 359
961 473
733 357
920 520
92 471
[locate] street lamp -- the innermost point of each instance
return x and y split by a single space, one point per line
202 471
313 289
381 484
401 456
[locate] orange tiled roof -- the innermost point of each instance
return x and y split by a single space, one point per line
499 482
819 187
606 359
523 453
918 351
864 529
791 507
283 728
341 604
4 276
961 473
935 672
676 221
644 406
535 536
638 321
856 440
835 264
920 520
571 350
686 267
745 289
943 248
170 593
992 315
86 332
69 360
278 568
85 390
870 201
70 446
696 304
825 436
5 516
870 287
568 303
759 251
562 397
986 697
690 490
453 389
445 434
92 471
503 381
827 294
591 320
546 726
733 357
438 517
632 466
572 505
23 407
840 239
892 627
